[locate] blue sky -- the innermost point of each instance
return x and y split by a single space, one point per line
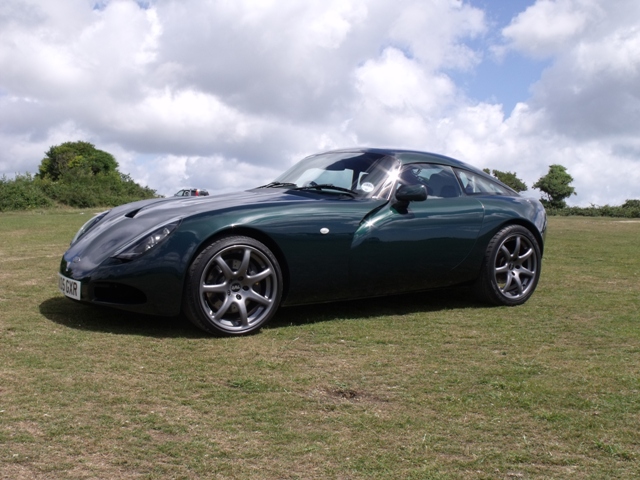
226 95
506 80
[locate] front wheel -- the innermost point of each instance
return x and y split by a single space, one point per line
233 287
511 267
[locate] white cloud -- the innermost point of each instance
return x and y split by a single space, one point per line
546 27
224 95
215 173
399 83
434 32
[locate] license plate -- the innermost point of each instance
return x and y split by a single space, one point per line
71 288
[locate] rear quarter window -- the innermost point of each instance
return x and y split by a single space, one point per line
474 184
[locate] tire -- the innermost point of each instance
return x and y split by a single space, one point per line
511 267
233 287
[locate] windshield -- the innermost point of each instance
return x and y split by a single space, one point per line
368 175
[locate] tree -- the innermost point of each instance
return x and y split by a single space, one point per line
79 157
555 187
509 179
79 175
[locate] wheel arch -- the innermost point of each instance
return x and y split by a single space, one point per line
473 262
256 235
529 226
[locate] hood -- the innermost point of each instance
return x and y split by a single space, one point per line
193 205
128 223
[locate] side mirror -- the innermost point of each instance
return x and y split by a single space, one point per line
409 193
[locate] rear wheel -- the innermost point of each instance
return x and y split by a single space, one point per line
234 287
511 267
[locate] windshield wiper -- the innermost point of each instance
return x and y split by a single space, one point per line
328 186
278 184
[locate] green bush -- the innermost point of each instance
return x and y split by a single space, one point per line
75 174
84 190
75 188
21 193
69 156
631 205
629 209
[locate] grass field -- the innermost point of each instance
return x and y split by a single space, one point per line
421 386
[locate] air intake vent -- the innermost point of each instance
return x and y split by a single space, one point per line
133 213
118 294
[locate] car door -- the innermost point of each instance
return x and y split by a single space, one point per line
419 246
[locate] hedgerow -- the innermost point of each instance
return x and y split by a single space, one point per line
22 193
73 188
629 209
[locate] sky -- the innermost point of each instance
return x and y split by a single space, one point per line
226 94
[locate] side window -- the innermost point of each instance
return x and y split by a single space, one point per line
439 179
474 184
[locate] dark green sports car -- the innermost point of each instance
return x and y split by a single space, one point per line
338 225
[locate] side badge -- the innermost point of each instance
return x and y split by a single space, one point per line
324 230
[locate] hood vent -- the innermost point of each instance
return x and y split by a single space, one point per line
133 213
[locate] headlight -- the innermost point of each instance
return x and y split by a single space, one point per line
89 225
146 242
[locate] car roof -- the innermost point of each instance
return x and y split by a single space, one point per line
407 156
